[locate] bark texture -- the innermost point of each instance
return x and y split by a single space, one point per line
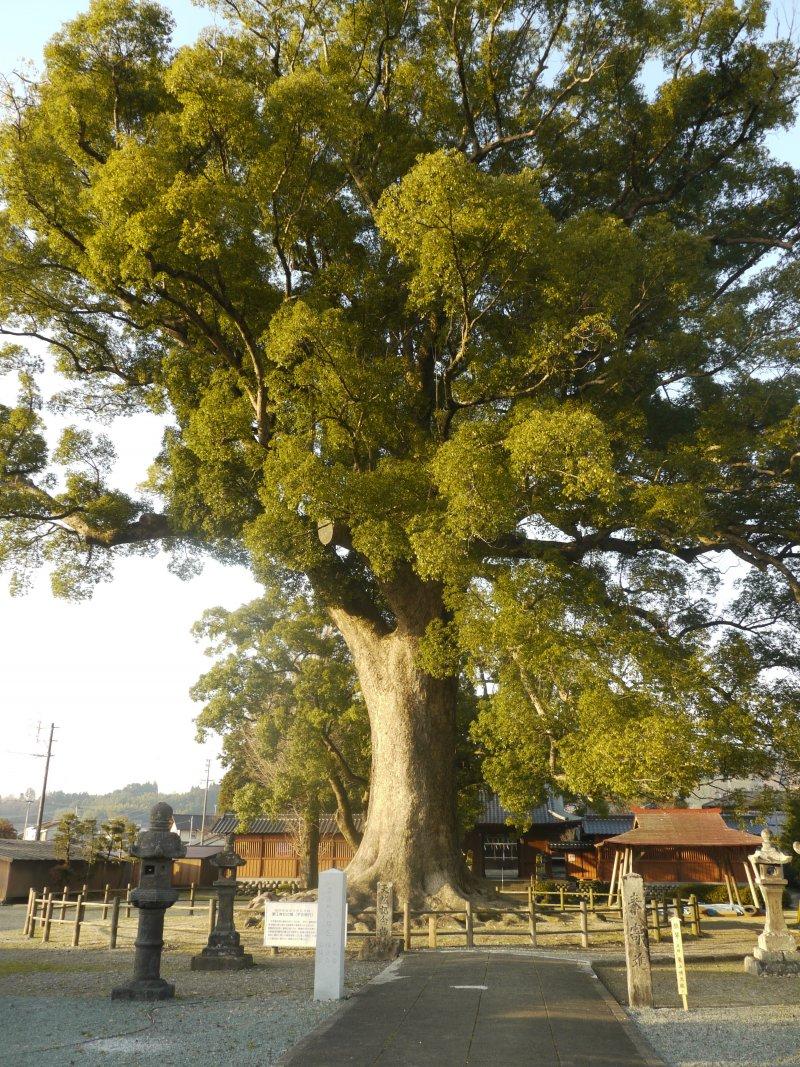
411 834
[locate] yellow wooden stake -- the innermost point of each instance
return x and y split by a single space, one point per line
680 965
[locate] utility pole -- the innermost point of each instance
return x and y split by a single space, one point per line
205 804
28 801
40 817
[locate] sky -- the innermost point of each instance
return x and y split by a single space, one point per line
114 673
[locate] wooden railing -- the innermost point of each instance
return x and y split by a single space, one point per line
48 909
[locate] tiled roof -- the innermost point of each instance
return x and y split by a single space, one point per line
279 824
28 850
682 826
493 812
187 822
606 825
201 852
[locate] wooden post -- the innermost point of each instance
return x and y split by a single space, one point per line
106 891
128 901
470 927
29 912
584 925
591 899
191 898
432 931
112 937
76 929
613 882
64 896
48 916
532 918
212 914
656 920
696 911
754 892
407 926
85 891
733 882
693 924
637 948
32 923
676 904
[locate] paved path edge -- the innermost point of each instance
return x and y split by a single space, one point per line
640 1042
295 1054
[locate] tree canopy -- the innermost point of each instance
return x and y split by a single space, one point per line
499 296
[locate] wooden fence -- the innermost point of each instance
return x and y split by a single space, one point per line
46 909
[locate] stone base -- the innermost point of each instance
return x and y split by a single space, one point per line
149 989
221 962
776 964
380 948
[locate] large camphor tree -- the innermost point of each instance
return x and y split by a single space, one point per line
464 311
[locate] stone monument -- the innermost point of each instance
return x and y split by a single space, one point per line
224 951
383 946
637 945
776 950
155 849
331 931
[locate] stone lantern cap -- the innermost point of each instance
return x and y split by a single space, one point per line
769 854
229 859
768 860
158 842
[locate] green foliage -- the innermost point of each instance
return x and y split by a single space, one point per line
131 804
283 695
465 282
7 830
790 834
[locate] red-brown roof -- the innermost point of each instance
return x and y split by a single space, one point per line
683 826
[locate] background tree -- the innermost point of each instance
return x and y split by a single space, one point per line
438 298
68 839
7 830
284 696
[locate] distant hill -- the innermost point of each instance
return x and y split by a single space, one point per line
133 801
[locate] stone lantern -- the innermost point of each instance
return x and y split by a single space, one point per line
155 849
223 951
776 950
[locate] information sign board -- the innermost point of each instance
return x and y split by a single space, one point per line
290 924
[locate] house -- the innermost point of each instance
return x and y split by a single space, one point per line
269 846
673 845
47 832
196 868
498 850
187 827
26 865
579 845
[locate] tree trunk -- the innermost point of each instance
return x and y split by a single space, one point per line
345 819
411 835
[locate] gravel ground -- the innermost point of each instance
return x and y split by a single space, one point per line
733 1019
55 1009
724 1037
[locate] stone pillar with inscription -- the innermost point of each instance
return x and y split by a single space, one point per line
384 911
331 932
637 946
776 950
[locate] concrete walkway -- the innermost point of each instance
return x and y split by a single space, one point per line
485 1009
